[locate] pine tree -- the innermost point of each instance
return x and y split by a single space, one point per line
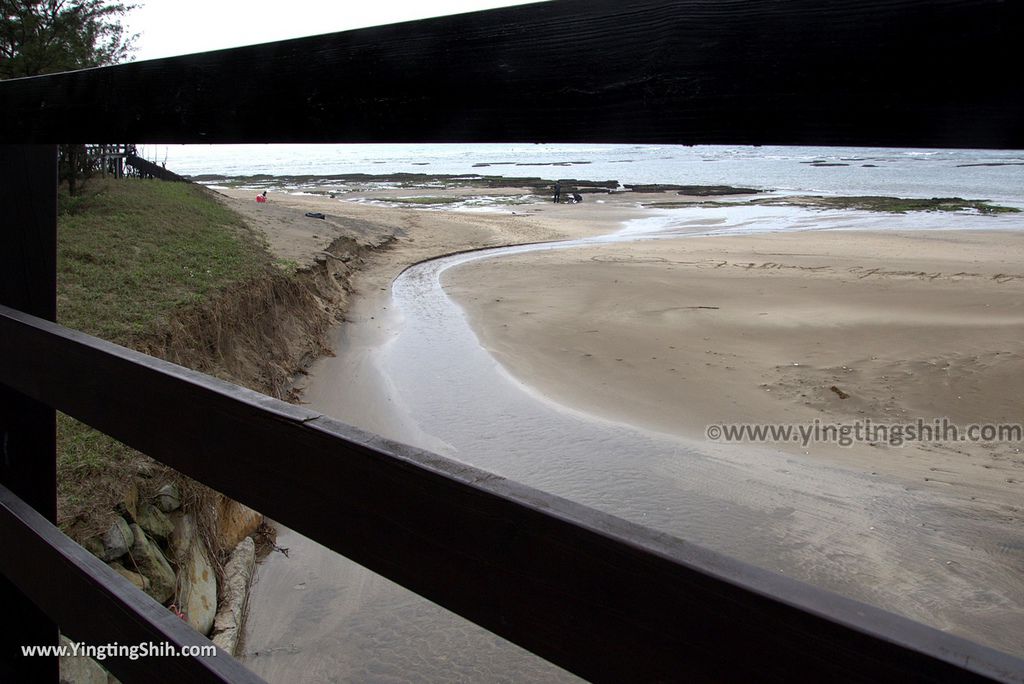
48 36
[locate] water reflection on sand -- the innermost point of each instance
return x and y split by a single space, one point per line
419 375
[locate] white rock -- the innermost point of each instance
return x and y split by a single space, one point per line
182 535
198 585
227 627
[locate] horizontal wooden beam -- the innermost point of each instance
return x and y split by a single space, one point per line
911 73
97 607
602 597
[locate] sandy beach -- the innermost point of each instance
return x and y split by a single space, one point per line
425 233
312 611
419 234
671 336
681 334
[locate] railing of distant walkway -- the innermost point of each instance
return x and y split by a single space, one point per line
599 596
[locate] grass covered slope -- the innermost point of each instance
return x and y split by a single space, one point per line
130 251
132 254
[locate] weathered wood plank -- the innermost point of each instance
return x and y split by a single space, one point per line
28 461
151 170
905 73
605 598
96 606
28 282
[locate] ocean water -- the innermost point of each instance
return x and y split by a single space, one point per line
973 174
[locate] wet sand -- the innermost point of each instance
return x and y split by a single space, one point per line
681 334
312 611
863 521
946 555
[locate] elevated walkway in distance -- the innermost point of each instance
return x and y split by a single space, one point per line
148 169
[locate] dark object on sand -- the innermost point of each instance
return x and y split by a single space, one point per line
315 214
577 198
840 393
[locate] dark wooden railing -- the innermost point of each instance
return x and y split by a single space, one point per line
602 597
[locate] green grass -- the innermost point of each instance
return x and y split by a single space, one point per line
289 266
90 469
130 252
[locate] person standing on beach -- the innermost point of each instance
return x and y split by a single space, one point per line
558 191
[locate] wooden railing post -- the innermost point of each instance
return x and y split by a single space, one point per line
28 462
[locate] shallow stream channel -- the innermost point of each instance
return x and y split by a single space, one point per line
416 373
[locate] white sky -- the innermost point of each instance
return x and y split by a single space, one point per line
179 27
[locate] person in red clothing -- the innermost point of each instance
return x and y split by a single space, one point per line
262 197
